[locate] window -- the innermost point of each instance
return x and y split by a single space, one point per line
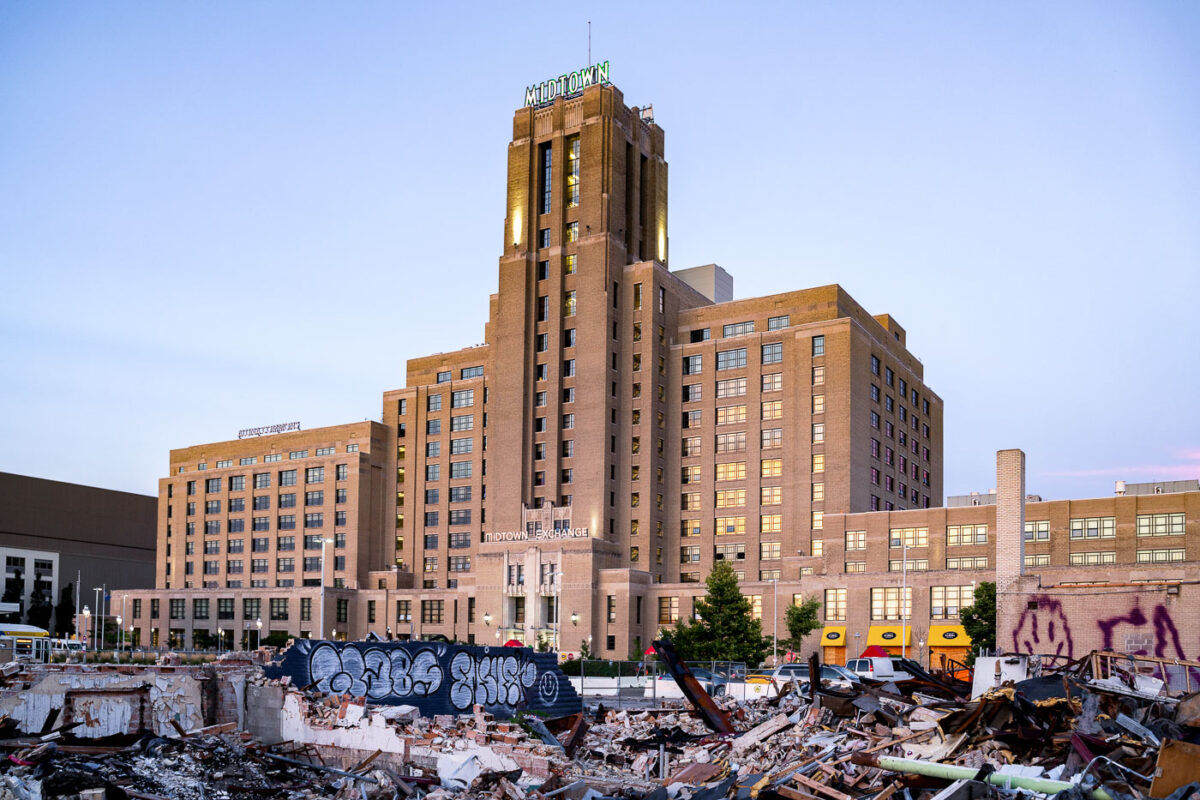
1096 557
731 471
237 483
433 472
732 387
888 375
738 329
1038 560
463 422
771 353
957 535
818 520
691 392
731 442
692 365
854 566
287 477
913 537
772 382
778 323
690 475
770 496
459 447
818 376
731 359
316 520
771 523
772 409
212 485
885 602
731 415
262 480
178 608
460 469
1037 531
545 161
689 501
978 562
1160 524
691 446
569 302
1160 556
286 522
818 346
668 610
772 438
572 232
818 404
314 498
543 308
279 608
730 526
730 498
1094 528
462 399
946 601
835 604
689 553
818 432
818 462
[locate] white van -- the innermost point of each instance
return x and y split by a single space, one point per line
879 668
59 646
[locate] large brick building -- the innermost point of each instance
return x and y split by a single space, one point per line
639 424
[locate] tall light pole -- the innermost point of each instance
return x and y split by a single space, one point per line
120 638
324 541
258 626
99 616
903 595
87 621
775 614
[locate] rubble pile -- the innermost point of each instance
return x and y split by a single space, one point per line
1102 728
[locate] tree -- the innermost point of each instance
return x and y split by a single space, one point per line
724 628
584 650
39 610
979 620
801 620
64 612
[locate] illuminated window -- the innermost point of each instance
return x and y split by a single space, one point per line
818 492
668 610
569 264
572 232
818 520
731 415
569 304
733 387
1160 556
818 376
772 382
731 471
957 535
771 523
771 496
730 526
770 551
1038 560
731 442
755 606
913 537
729 498
772 467
977 562
818 404
818 462
854 566
946 601
885 602
772 409
572 171
818 547
818 432
1097 557
835 604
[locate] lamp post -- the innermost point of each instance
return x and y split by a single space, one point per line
775 614
131 643
120 638
220 639
87 623
324 541
99 616
258 627
903 597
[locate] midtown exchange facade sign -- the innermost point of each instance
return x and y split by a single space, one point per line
536 535
265 430
566 85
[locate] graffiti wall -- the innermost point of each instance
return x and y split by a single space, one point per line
437 678
1070 622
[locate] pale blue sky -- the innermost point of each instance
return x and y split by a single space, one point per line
219 215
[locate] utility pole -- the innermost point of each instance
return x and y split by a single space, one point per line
903 596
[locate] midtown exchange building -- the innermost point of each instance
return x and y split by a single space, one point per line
623 427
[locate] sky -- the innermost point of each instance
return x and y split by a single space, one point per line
221 215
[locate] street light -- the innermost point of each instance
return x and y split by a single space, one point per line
220 639
258 625
87 622
487 618
324 541
99 615
120 638
574 618
775 614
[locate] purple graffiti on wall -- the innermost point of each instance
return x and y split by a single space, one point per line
1165 632
1043 628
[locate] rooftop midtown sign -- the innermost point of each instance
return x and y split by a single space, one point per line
265 430
566 85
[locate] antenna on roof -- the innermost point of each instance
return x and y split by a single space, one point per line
589 61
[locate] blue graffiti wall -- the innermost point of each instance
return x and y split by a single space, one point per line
437 678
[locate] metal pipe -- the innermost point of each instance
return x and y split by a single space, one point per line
954 773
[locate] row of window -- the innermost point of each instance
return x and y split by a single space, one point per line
894 602
270 458
466 373
461 422
283 522
263 502
262 480
1170 524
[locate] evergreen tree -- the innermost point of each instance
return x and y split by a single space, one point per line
801 620
979 620
725 630
64 613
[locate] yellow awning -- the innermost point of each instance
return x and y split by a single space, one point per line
889 635
948 636
834 636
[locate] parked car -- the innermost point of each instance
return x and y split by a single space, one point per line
879 668
838 677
